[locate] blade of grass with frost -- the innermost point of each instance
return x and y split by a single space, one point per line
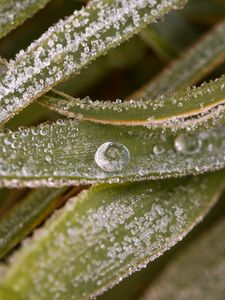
26 215
71 44
203 106
192 109
108 232
13 13
204 264
83 153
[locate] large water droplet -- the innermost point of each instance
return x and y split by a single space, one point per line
187 144
112 157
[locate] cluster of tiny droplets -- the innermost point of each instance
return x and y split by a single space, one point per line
203 104
125 231
151 106
71 44
33 156
12 11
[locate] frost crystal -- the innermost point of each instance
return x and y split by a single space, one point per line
73 43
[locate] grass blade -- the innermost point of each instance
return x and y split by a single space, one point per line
203 262
85 152
199 107
71 44
13 13
107 233
197 62
26 215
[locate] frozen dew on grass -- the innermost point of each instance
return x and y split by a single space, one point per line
106 233
73 43
86 152
188 144
193 109
112 157
13 13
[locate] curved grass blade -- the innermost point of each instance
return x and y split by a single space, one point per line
107 233
199 107
71 44
204 265
13 13
26 215
196 108
73 152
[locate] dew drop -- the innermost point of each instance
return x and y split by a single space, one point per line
112 157
158 149
48 158
187 144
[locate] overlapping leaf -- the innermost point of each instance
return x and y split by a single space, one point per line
107 233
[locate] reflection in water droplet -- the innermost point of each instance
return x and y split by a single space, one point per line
187 144
112 157
158 149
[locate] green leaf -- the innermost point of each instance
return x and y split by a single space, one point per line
71 44
13 13
26 215
197 273
72 152
108 232
198 107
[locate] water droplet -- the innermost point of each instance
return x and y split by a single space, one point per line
158 149
48 158
112 157
142 172
187 144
